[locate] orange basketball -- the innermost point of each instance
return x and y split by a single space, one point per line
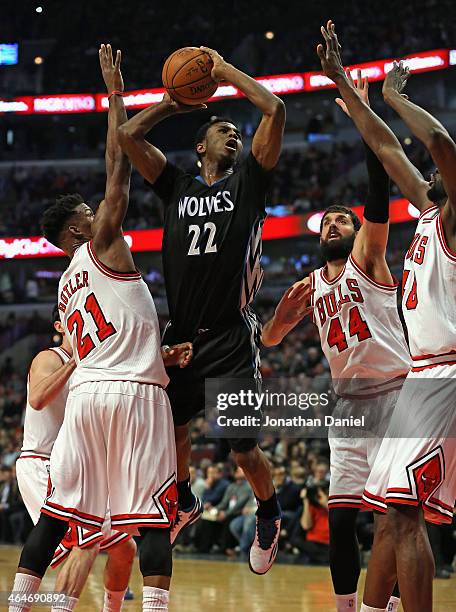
187 77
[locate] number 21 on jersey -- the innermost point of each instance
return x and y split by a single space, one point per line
85 344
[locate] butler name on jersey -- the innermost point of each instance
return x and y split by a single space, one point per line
212 244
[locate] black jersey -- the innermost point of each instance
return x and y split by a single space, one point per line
212 244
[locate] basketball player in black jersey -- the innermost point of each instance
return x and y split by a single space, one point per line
211 258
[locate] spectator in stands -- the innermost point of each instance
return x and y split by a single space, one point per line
243 527
12 509
214 487
198 483
311 537
214 526
288 494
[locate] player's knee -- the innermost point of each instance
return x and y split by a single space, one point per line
247 460
41 544
182 436
155 553
342 521
403 521
125 551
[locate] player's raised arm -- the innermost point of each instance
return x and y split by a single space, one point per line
47 378
267 142
145 157
107 228
374 130
425 127
369 248
291 309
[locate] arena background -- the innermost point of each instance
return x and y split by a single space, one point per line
52 139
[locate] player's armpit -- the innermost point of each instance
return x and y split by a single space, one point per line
267 141
369 251
443 150
449 224
406 176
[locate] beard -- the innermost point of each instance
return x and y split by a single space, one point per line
337 249
437 192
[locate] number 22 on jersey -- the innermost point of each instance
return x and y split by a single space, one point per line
196 241
85 344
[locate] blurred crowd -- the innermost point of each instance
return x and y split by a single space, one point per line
150 32
305 180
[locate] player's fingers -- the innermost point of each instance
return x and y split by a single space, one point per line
320 51
366 83
118 59
109 50
359 82
292 290
342 105
325 35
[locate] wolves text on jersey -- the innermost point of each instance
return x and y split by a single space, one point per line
202 206
331 303
80 280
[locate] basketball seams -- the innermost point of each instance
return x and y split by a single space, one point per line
194 57
204 87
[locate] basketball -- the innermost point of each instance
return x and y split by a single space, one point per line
187 77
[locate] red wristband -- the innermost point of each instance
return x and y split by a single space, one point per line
115 93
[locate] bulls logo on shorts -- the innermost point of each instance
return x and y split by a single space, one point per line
168 500
428 473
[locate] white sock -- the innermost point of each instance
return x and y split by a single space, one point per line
347 603
365 608
393 604
68 604
24 584
155 599
113 600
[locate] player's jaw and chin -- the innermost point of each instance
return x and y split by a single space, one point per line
340 248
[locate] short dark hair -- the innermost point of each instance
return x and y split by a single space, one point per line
343 209
202 131
55 216
55 314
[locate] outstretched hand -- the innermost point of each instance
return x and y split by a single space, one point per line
396 79
361 87
330 58
295 303
110 69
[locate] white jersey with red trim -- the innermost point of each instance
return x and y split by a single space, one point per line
42 426
429 294
112 322
360 331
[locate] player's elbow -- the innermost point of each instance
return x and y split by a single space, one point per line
125 135
268 339
36 401
278 110
438 139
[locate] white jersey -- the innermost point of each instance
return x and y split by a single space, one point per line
360 331
111 319
429 294
42 426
